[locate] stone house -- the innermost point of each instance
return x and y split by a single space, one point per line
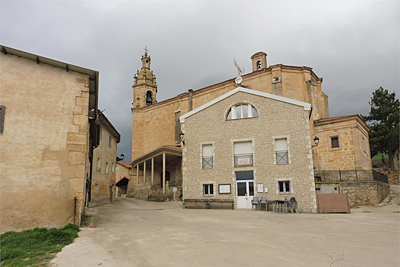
48 113
102 189
123 175
248 143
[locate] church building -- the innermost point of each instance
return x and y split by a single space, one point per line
159 140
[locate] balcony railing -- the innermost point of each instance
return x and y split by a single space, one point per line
243 160
282 157
349 176
207 162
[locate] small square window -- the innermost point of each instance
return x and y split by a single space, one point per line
284 186
335 141
208 189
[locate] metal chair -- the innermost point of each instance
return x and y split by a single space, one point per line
263 202
255 202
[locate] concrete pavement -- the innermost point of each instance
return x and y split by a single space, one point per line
132 232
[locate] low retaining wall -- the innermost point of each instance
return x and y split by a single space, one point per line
365 192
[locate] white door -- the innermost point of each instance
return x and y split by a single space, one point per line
245 194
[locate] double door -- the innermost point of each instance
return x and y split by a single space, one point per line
244 194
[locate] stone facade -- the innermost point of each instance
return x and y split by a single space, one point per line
278 117
352 151
45 144
104 160
365 192
122 170
298 83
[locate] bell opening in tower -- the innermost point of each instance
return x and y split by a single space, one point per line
149 99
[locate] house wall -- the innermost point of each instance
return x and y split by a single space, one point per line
154 125
44 146
276 119
353 151
120 172
101 189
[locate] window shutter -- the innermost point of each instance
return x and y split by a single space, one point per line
207 151
281 145
243 148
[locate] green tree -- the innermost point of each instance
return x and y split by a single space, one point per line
383 120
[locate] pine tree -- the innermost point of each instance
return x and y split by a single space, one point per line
383 120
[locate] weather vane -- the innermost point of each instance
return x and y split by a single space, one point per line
145 50
238 79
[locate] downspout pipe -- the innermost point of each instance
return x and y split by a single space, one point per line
190 99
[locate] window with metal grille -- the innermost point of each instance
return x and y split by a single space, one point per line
208 189
281 151
207 160
243 154
335 141
284 186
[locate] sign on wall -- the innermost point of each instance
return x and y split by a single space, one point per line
260 188
224 189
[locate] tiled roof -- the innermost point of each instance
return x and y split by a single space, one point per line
125 164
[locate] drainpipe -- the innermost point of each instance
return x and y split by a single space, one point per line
190 99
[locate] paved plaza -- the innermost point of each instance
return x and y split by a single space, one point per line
132 232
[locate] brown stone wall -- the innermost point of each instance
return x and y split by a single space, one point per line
44 147
365 192
100 179
154 125
276 120
353 151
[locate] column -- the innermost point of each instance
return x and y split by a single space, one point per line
163 172
137 173
144 172
152 171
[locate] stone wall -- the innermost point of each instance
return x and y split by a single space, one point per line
154 125
102 175
353 151
44 147
365 192
275 119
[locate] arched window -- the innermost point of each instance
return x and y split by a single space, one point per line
259 65
242 111
149 99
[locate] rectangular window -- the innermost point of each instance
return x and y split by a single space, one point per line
98 164
109 141
335 141
207 161
284 186
106 167
243 154
113 168
281 151
208 189
2 112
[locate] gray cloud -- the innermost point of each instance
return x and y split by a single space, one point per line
353 46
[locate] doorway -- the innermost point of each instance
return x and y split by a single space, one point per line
244 189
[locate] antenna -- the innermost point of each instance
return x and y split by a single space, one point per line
238 67
145 50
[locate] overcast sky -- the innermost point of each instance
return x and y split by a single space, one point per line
353 46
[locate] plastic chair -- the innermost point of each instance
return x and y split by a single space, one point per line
263 202
255 202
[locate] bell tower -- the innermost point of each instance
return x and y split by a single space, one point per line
144 85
